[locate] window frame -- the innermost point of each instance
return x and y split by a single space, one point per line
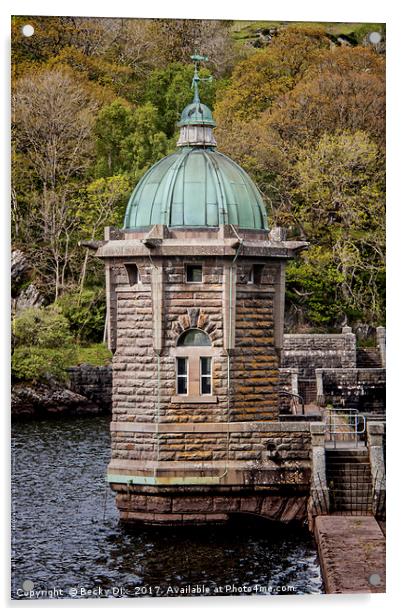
252 272
182 375
195 265
207 375
193 354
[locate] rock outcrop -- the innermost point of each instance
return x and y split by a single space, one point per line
29 297
50 399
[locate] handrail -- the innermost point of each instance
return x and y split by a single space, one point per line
293 395
354 419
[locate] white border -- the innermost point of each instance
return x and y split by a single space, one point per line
305 10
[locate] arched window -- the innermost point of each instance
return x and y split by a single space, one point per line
194 367
194 337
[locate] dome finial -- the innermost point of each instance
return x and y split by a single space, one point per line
196 121
196 58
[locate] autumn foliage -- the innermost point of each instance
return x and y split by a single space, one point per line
96 101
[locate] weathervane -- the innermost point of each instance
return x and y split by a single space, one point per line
196 58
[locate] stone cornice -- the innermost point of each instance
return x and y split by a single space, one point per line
200 247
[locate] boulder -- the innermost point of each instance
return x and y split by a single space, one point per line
29 297
19 269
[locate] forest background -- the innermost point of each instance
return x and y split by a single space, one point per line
301 107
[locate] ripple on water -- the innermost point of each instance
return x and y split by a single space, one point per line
67 532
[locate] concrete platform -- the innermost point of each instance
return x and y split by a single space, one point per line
352 554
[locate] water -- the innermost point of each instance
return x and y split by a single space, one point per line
68 542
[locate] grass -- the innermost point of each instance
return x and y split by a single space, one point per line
243 30
95 354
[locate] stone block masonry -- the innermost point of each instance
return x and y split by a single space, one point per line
246 467
359 388
137 376
191 446
307 352
93 382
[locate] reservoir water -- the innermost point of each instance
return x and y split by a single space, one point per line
67 541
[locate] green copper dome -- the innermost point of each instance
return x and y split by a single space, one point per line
196 113
196 187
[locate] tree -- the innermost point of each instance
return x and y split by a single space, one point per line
168 90
52 130
257 81
177 39
343 89
128 140
96 207
339 201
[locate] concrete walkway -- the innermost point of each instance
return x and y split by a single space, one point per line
352 554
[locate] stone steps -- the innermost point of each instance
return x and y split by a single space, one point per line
349 481
368 358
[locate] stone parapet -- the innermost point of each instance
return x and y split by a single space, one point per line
360 388
307 352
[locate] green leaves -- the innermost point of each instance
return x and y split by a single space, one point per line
85 313
43 327
128 140
37 363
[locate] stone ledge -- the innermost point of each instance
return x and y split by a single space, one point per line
243 426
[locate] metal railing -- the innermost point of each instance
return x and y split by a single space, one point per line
355 497
345 425
293 397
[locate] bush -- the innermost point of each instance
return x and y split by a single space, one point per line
43 344
42 327
85 313
33 363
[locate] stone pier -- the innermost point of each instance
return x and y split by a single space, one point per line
352 554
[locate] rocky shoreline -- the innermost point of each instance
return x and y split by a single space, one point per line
88 391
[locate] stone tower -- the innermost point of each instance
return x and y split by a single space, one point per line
195 300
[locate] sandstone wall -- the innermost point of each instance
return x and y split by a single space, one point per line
283 443
363 389
94 383
310 351
144 386
255 362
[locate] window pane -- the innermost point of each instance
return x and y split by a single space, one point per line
194 273
194 337
182 365
181 384
206 366
205 385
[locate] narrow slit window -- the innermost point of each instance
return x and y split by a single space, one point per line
255 274
193 273
132 273
182 375
206 375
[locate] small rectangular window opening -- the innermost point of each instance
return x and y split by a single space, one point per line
255 274
206 375
182 375
193 273
132 273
